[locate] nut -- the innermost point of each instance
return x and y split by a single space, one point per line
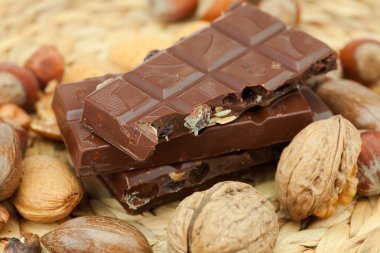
28 80
369 164
48 190
177 176
45 122
317 171
229 217
353 101
172 10
288 11
28 243
20 132
16 114
4 216
225 120
10 161
361 60
96 234
47 64
48 129
198 118
211 9
222 113
11 89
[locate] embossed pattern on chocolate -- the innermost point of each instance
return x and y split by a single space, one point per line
243 59
256 128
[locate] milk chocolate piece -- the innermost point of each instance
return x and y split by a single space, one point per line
143 189
256 128
243 59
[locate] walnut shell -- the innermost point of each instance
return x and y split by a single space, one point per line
10 161
48 190
96 234
229 217
317 171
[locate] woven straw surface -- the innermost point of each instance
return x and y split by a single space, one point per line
97 37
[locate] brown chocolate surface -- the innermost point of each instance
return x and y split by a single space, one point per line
256 128
143 189
243 59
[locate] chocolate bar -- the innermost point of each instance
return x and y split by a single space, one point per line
143 189
256 128
246 58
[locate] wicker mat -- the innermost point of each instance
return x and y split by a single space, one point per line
97 37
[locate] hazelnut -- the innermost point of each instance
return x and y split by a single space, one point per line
353 101
48 190
229 217
288 11
28 243
96 234
172 10
369 164
211 9
317 171
16 114
21 133
25 96
10 157
47 64
361 60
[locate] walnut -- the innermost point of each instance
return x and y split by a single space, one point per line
317 171
229 217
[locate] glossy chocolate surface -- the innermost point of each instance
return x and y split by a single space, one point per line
243 59
256 128
143 189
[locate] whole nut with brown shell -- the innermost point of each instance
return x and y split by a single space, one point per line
28 243
229 217
10 161
361 60
172 10
212 9
288 11
317 171
47 64
17 85
353 101
48 191
369 164
21 133
96 234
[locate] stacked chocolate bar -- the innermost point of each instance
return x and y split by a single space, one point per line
217 103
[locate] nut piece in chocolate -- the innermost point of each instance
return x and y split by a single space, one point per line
181 89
